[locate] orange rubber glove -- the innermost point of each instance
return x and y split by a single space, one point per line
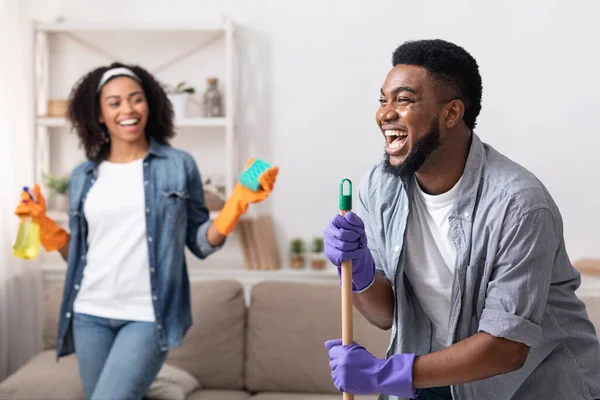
52 236
237 204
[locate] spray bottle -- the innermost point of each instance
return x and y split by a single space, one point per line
27 242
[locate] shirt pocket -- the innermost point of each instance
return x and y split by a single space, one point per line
478 277
174 205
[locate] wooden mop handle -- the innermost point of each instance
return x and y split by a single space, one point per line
346 205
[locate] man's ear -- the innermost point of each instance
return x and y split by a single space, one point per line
454 112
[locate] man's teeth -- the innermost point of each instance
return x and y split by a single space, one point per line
129 122
395 133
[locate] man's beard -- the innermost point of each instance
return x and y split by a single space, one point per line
417 155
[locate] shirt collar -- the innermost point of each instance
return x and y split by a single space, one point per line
464 205
154 149
467 194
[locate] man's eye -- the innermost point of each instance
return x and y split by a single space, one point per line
114 104
381 101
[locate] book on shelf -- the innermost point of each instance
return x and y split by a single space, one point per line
259 246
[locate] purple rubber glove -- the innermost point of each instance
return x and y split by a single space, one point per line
345 239
355 370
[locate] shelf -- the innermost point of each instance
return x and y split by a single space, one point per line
184 122
62 217
199 122
56 272
81 27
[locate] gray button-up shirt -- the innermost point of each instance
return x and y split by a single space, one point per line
513 278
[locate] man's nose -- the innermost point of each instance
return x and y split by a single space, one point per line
387 114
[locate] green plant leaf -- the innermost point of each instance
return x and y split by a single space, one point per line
59 185
298 246
318 245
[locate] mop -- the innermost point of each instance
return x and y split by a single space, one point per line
345 206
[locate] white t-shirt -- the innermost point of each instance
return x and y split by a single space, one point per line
116 279
430 256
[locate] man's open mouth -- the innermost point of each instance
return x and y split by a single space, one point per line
395 139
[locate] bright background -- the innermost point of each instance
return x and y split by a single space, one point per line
311 73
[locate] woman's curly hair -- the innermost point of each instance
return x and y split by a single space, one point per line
84 111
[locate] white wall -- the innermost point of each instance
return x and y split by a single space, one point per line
312 71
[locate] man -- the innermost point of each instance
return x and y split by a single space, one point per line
460 251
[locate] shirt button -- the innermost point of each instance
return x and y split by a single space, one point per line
145 163
159 326
154 298
397 248
147 211
76 287
145 182
83 257
149 238
93 180
151 269
466 215
68 315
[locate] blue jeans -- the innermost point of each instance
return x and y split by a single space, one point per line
437 393
117 359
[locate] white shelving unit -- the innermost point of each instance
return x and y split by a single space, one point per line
85 46
47 35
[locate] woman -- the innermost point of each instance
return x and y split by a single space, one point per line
134 206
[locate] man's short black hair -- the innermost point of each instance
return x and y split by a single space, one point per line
451 66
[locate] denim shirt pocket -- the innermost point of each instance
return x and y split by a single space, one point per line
174 205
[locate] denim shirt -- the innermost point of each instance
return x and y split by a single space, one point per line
513 278
176 216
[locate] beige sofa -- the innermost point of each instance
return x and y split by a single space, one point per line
271 350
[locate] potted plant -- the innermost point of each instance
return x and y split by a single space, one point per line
318 259
59 187
297 249
179 96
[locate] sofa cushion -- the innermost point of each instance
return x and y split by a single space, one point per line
43 378
219 395
288 324
213 349
172 383
303 396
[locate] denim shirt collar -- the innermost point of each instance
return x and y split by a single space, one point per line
154 149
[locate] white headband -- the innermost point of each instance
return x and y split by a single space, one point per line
119 71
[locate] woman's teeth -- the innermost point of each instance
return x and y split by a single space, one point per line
128 122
